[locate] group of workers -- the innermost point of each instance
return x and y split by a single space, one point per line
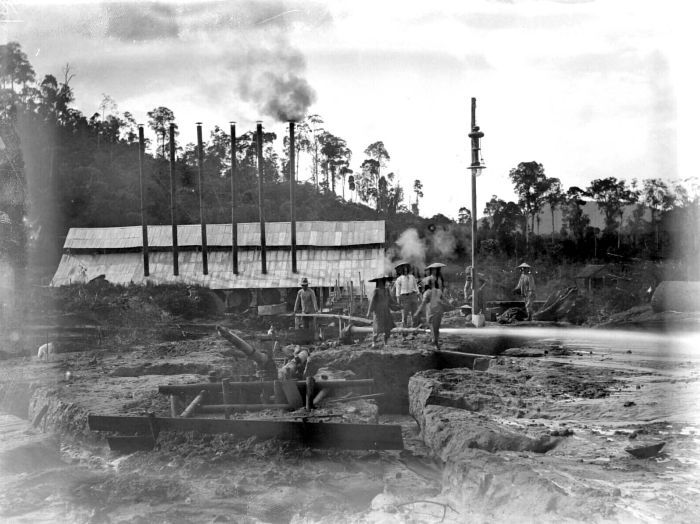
413 297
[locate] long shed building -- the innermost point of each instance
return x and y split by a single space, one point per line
326 252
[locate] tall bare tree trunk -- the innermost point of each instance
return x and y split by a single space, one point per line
551 208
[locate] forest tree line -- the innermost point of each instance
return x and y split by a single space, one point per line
60 168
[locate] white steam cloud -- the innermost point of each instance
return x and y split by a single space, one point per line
411 248
444 243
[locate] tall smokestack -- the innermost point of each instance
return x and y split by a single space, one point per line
173 210
144 226
234 223
200 165
292 197
263 247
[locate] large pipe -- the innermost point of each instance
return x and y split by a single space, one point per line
475 167
263 247
144 226
292 198
200 166
366 330
173 210
234 223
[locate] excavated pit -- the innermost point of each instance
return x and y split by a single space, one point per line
392 366
534 439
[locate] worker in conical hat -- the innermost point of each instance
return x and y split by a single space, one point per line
306 303
435 270
434 306
526 287
407 294
380 305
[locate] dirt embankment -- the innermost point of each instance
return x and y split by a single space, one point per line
544 439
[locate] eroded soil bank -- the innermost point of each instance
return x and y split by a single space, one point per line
530 439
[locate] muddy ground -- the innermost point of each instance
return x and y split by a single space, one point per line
533 438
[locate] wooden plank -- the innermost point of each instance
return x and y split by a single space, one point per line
315 435
222 408
214 388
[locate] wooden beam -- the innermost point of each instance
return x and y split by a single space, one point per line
223 408
214 388
314 435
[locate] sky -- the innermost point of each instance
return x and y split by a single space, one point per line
588 88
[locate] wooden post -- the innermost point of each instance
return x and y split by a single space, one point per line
175 405
226 396
193 405
309 393
352 298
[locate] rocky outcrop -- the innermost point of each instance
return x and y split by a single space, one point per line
453 409
497 468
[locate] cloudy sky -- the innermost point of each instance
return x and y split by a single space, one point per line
588 88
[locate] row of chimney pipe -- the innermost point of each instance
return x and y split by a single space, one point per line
234 223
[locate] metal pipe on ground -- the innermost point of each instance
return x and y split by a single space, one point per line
365 330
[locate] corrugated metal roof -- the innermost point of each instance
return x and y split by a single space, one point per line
316 233
320 266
